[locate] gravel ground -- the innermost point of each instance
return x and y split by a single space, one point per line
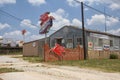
40 71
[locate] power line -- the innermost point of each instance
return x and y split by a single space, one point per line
100 11
16 18
77 1
11 15
97 10
19 19
113 1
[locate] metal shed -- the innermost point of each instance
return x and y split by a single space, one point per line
34 48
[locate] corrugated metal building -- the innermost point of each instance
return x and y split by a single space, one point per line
70 37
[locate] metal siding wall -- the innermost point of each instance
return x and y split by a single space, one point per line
66 33
29 50
106 41
41 48
116 42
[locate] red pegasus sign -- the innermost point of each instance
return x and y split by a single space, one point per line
46 22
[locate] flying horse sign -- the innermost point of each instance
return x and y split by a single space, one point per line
46 22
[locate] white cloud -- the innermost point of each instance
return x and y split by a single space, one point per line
2 26
74 3
36 2
116 32
100 19
60 23
34 37
61 19
76 22
7 2
112 21
112 4
14 34
28 23
17 35
96 20
61 12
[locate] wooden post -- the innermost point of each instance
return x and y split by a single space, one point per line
83 31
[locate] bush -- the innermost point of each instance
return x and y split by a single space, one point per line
113 56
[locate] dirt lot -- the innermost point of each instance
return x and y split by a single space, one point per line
40 71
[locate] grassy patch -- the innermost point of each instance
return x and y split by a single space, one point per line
107 65
30 59
33 59
113 56
5 70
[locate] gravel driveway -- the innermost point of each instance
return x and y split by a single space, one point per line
40 71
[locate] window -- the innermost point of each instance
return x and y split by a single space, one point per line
100 42
69 43
111 43
59 41
79 41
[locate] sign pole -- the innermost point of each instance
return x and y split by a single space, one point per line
45 38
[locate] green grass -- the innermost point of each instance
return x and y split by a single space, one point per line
107 65
5 70
33 59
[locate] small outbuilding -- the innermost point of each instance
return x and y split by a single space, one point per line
34 48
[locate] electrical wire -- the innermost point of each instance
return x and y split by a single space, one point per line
19 19
16 18
97 10
101 12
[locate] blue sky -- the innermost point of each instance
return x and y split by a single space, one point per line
66 12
